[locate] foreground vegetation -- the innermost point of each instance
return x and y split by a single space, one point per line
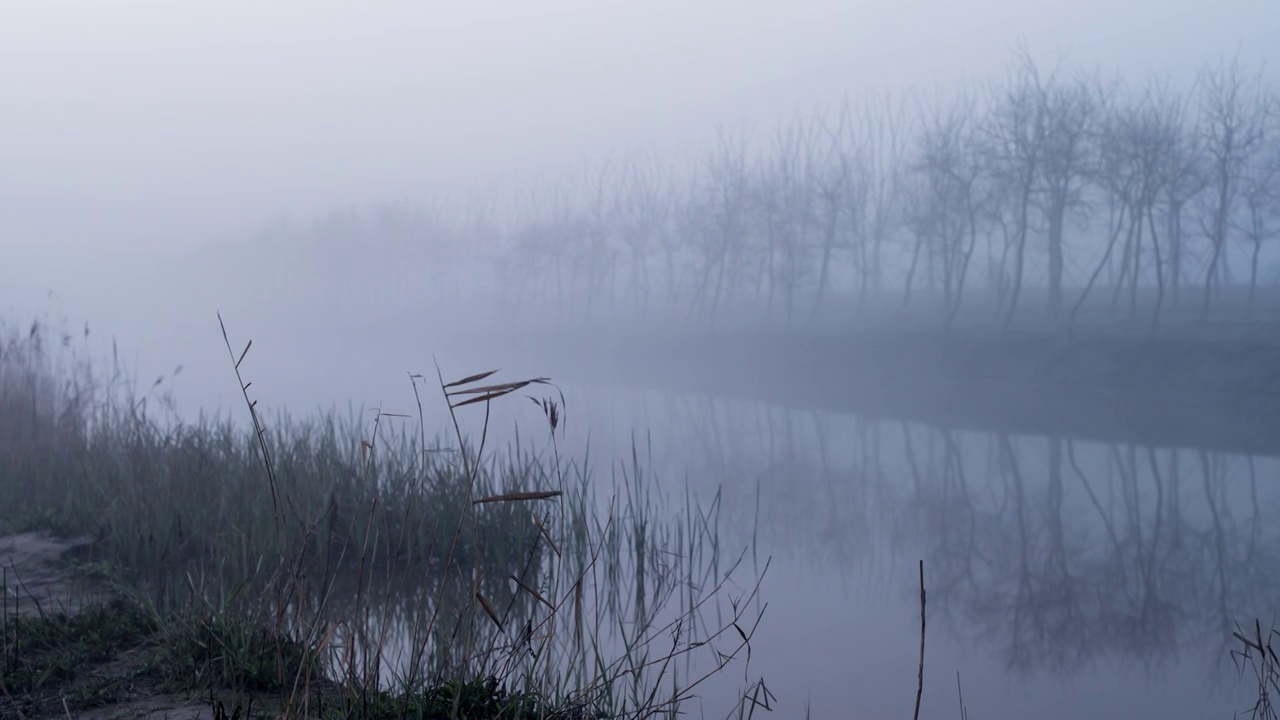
362 570
124 651
346 566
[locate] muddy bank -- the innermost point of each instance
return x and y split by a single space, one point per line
38 577
1164 392
70 647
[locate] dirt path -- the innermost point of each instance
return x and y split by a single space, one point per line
37 579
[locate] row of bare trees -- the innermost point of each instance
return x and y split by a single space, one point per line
1041 195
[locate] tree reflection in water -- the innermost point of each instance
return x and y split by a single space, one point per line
1055 554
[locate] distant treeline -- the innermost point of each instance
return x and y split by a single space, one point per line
1032 195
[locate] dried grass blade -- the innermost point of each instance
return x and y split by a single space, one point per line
470 379
482 398
546 535
488 609
506 387
518 496
537 595
577 608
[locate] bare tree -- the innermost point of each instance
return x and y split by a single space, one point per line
1234 109
949 195
1014 129
643 216
1186 177
1116 176
1150 133
1260 196
1069 109
871 196
724 194
879 135
596 251
832 181
785 208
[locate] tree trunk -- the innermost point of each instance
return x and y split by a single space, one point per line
1155 245
1136 271
1020 253
1219 236
1253 272
1175 251
964 263
824 270
715 297
911 270
1104 263
1056 218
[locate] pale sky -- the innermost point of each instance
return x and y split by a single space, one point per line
140 127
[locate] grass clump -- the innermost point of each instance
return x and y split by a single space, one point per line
354 568
1256 654
82 658
224 651
117 651
476 699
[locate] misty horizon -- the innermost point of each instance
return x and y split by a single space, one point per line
848 291
160 131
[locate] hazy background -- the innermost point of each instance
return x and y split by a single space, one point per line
130 132
145 148
148 150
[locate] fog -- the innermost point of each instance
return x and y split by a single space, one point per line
138 137
136 129
881 277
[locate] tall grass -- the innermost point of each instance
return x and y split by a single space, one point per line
399 562
1257 655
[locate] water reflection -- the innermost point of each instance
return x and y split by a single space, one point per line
612 595
1046 554
1090 565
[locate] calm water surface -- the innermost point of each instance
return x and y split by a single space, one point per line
1065 579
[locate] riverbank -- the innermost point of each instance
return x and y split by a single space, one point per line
75 642
329 565
1210 391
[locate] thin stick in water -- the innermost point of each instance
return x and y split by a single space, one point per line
920 674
